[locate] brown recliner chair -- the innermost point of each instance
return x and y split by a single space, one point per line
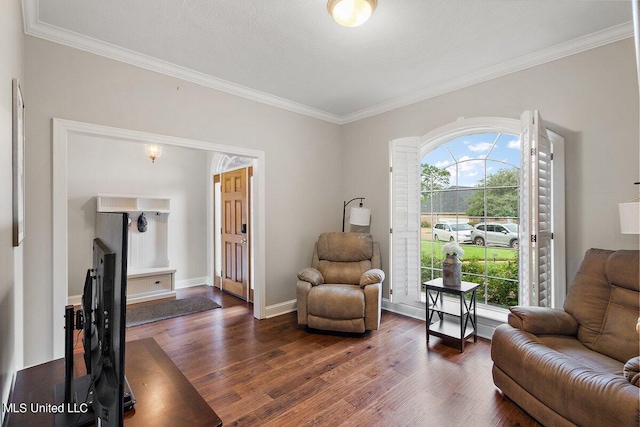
577 366
342 289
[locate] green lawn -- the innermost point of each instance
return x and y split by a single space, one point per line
472 251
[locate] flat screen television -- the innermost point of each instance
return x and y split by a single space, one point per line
102 396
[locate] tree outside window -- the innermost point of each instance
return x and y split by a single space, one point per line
472 182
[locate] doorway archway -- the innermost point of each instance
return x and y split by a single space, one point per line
62 129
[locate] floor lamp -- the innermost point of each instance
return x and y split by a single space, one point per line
357 216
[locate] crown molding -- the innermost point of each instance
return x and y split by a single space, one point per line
581 44
34 27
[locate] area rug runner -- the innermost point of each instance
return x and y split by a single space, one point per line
166 310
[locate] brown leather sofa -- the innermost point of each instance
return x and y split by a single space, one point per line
342 289
575 366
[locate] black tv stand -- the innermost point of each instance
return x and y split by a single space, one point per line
79 413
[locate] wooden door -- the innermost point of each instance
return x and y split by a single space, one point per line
235 232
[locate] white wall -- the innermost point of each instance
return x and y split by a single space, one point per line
11 282
591 99
302 159
109 166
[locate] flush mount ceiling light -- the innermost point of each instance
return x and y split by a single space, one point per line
351 13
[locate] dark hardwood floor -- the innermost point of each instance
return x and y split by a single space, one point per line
274 373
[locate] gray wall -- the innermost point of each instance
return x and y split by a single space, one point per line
109 166
591 99
11 66
302 155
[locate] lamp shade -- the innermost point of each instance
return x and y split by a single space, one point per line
629 217
359 216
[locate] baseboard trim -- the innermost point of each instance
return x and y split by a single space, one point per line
196 281
150 297
404 309
281 308
74 300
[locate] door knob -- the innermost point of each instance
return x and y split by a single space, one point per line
243 241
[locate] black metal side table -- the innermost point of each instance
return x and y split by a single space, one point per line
461 322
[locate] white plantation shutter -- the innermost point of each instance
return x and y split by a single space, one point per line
405 220
536 209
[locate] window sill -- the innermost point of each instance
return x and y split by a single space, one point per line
495 314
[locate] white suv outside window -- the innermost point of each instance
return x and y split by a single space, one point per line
493 233
452 232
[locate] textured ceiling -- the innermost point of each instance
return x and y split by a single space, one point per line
292 52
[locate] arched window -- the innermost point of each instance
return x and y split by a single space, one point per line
469 194
487 184
227 162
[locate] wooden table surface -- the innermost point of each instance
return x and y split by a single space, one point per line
164 396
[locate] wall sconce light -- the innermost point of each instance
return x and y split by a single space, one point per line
351 13
153 151
357 216
630 216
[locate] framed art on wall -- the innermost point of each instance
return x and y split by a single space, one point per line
18 163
